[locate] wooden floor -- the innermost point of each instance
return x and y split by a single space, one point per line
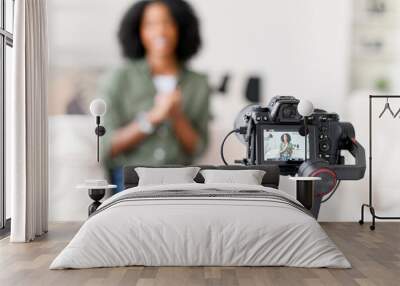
375 257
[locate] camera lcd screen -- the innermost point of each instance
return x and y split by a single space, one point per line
284 145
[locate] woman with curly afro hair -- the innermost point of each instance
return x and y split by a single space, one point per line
286 148
157 107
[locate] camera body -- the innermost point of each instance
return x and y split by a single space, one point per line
275 134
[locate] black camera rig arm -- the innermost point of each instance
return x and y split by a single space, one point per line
348 142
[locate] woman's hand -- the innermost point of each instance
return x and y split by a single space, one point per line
166 106
176 104
285 145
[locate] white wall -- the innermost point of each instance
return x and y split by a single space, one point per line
300 48
72 148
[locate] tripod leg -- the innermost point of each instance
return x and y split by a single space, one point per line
316 206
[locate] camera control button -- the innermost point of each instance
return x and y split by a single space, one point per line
324 146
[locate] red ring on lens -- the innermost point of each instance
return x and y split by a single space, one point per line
331 173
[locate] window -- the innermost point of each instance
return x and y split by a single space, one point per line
6 44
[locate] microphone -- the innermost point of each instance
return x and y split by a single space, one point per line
305 108
98 108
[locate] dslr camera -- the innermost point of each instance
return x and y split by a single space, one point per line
275 135
309 146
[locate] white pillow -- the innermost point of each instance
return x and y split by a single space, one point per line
247 177
163 176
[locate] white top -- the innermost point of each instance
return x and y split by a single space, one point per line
165 83
305 178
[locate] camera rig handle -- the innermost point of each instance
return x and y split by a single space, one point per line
355 171
347 141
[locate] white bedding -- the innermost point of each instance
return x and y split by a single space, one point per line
226 231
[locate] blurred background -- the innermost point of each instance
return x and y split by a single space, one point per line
334 53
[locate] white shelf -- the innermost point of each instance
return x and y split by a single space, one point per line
305 178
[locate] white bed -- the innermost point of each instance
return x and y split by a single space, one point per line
185 230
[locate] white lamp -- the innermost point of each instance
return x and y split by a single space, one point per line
97 187
305 108
98 107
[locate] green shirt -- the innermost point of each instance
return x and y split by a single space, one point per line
129 90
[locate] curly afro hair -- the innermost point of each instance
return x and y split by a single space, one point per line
289 138
189 41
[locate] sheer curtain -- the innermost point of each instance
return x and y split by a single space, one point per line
26 123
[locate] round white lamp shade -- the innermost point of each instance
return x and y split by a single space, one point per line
98 107
305 108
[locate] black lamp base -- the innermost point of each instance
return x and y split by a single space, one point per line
96 195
